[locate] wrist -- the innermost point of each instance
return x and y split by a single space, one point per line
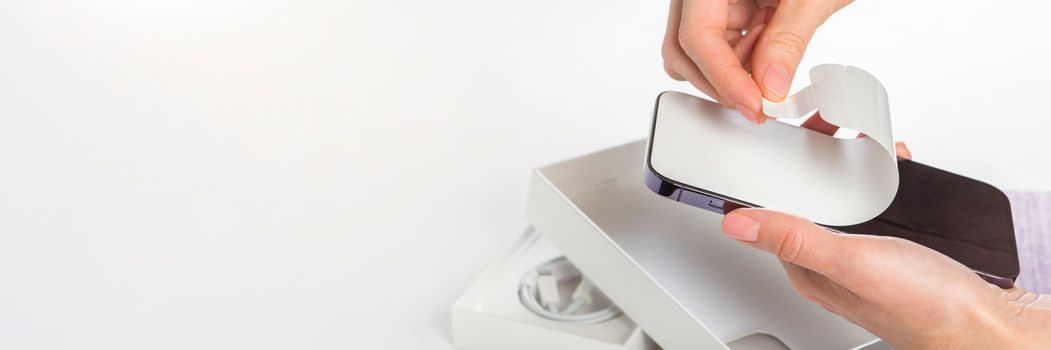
1014 322
1023 323
1031 321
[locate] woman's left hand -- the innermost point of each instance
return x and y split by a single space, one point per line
910 295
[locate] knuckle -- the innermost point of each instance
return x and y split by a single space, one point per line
687 39
670 51
693 39
673 60
673 73
791 243
790 42
668 69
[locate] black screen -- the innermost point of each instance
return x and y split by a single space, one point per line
965 219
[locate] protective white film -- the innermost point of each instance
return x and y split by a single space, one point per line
783 167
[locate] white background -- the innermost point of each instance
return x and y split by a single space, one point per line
269 174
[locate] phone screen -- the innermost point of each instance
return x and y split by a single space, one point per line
965 219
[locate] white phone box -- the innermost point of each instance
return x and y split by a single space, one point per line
667 265
680 283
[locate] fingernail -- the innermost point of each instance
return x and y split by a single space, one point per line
741 227
747 113
776 80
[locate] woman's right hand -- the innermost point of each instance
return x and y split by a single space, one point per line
740 51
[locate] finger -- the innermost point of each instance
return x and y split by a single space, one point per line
806 285
783 43
762 16
732 36
701 38
671 39
743 47
673 74
790 238
674 17
676 64
684 67
902 151
697 79
816 123
741 13
743 50
837 298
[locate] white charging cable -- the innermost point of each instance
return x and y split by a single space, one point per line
581 296
542 289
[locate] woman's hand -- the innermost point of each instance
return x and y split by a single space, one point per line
909 295
715 44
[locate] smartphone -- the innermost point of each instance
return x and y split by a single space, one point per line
965 219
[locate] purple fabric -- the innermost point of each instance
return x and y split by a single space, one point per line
1032 219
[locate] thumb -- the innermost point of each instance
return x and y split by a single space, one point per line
780 48
790 238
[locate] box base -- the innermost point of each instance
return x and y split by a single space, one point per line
490 315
